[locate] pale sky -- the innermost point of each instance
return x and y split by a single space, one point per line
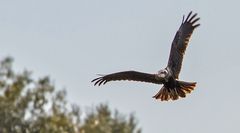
73 40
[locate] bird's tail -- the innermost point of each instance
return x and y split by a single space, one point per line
181 89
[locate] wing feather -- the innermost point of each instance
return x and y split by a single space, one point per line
180 43
128 75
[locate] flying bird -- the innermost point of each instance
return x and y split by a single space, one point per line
172 88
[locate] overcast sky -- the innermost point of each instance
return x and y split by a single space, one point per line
73 40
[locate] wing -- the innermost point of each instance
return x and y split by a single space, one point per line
180 43
128 75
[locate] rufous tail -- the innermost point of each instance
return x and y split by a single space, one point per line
180 90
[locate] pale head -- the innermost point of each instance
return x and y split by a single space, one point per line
163 73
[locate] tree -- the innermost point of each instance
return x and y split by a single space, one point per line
34 106
102 121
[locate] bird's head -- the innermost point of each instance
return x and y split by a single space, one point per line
164 73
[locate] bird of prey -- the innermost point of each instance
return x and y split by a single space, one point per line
172 88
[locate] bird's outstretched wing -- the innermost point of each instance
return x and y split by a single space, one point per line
128 75
180 43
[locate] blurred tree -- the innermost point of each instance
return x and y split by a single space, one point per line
33 106
101 121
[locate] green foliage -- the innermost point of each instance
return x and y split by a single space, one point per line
34 106
102 121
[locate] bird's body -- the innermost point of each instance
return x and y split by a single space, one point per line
172 87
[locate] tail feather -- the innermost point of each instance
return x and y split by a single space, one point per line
181 89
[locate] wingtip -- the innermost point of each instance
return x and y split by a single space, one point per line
189 14
99 81
101 75
95 79
192 19
183 18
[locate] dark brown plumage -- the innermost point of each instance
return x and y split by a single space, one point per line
180 43
172 87
128 75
